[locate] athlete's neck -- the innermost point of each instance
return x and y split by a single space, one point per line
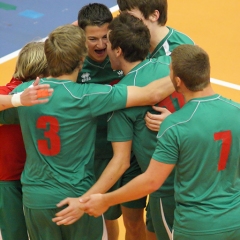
158 33
206 92
72 77
128 66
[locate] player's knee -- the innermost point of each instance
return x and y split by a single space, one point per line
134 223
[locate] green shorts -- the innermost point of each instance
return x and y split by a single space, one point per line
134 170
12 221
113 212
40 226
229 235
160 216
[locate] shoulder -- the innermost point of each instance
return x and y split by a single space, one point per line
21 87
178 119
4 90
185 39
163 60
230 102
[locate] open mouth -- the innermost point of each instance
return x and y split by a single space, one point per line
100 52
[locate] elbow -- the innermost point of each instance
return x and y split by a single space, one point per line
157 98
125 166
153 185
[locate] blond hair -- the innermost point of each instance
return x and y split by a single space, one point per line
65 49
31 62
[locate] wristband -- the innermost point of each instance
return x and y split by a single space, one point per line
16 100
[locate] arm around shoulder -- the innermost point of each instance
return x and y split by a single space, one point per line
151 94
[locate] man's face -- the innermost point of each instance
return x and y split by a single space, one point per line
112 55
97 42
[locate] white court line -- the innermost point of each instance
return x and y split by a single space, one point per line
114 9
14 54
225 84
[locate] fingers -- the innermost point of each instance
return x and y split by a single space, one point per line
64 212
43 90
153 121
158 109
64 221
164 111
42 93
36 81
70 214
33 102
84 199
152 127
62 203
33 95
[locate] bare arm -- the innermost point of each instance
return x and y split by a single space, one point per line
114 170
5 101
140 186
29 97
151 94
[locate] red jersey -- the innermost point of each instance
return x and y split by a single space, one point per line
12 150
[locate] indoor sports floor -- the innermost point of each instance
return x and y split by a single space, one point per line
214 25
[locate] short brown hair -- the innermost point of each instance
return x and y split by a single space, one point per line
65 49
191 64
94 14
131 35
31 62
146 7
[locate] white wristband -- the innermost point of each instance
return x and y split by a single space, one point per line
16 100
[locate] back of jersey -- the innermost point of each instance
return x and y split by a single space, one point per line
205 144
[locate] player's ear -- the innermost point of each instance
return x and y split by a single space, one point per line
154 16
178 81
118 51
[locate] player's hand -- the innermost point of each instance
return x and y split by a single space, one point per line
75 23
37 81
94 205
70 214
153 121
36 94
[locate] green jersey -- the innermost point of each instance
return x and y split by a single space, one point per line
59 138
95 72
203 140
171 41
128 124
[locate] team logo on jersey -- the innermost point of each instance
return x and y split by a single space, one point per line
120 73
86 77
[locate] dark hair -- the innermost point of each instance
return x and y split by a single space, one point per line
131 35
65 49
146 7
94 14
191 64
